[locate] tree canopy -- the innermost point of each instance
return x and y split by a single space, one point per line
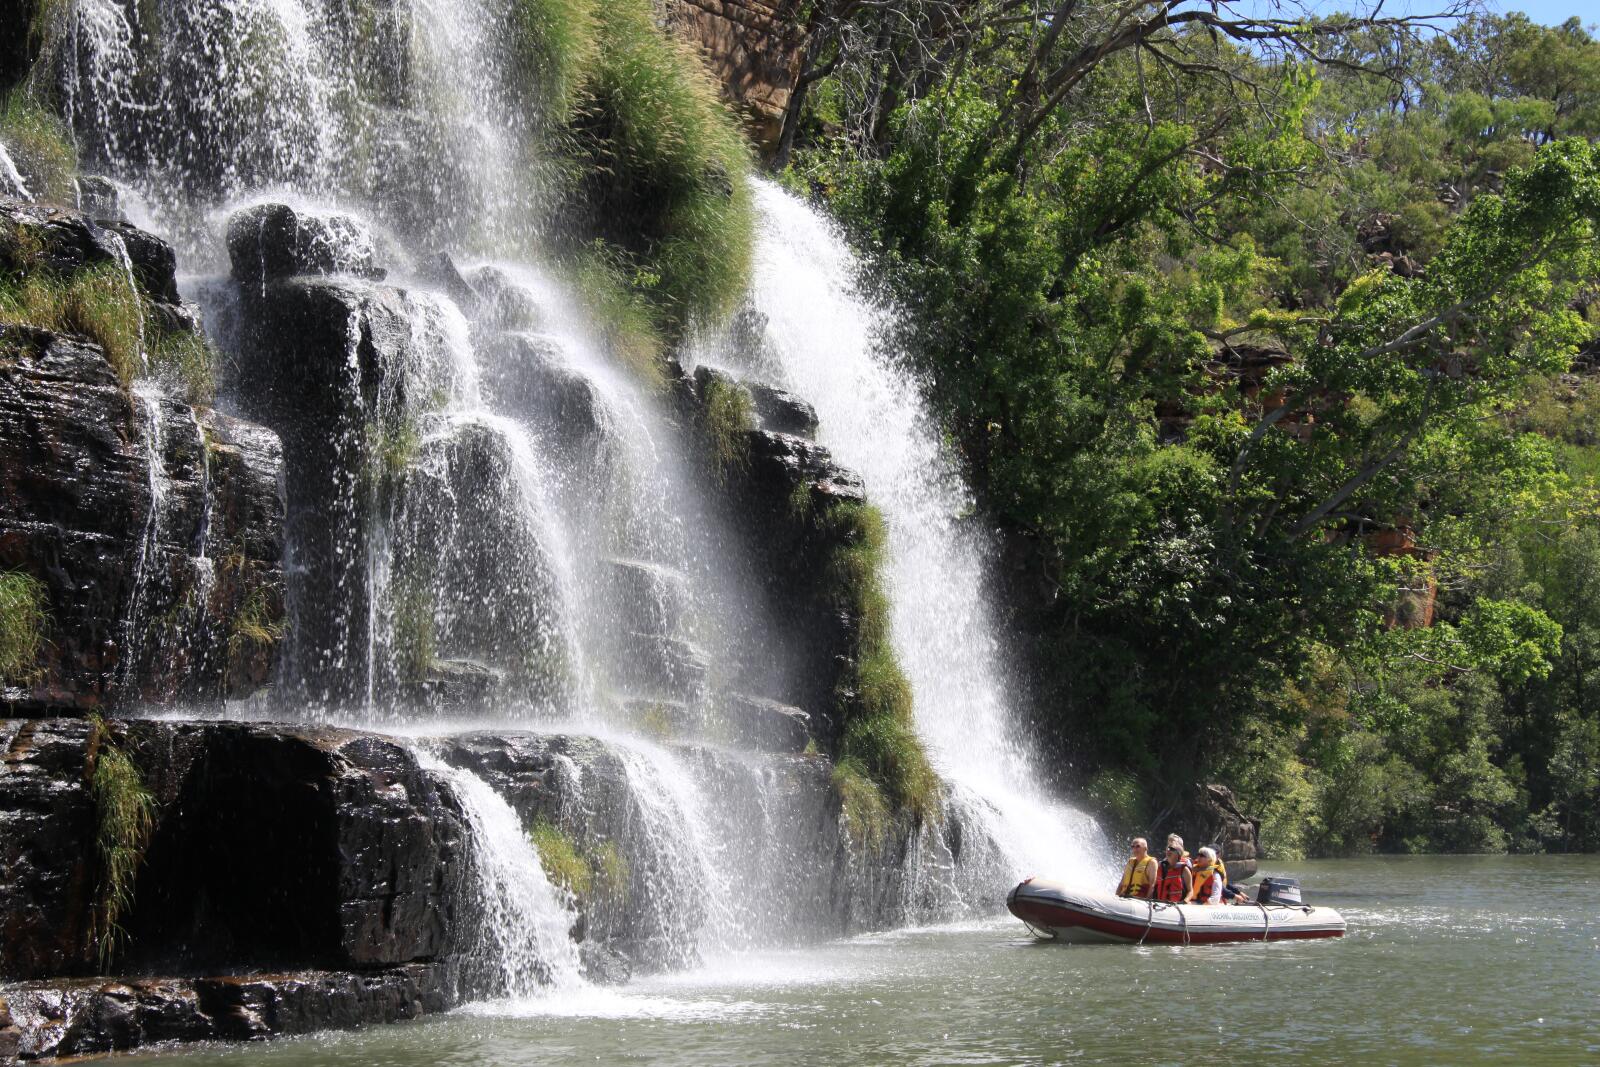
1265 335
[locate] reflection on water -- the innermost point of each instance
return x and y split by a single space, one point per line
1450 960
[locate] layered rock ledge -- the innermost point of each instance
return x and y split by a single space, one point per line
303 877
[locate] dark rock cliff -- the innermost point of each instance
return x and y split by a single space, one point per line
154 525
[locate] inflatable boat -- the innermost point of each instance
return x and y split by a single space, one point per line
1058 913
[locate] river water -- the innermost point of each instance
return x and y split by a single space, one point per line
1450 960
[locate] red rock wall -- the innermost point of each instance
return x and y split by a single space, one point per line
753 47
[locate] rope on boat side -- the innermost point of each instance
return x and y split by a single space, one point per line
1266 921
1150 918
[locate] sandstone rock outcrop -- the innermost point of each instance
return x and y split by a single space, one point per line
754 48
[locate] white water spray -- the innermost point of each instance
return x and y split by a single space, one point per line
523 919
823 336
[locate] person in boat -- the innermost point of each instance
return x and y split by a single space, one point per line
1207 878
1174 877
1139 876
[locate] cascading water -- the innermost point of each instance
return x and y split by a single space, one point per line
822 339
522 919
510 533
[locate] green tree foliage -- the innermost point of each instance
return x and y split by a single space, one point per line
1242 321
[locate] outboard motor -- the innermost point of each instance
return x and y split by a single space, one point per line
1280 891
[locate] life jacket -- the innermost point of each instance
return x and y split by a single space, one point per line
1137 877
1202 878
1169 884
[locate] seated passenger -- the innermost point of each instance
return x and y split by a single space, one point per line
1174 881
1139 876
1206 885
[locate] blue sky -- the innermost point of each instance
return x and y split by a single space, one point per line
1551 12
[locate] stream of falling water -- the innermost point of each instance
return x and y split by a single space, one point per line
523 920
823 344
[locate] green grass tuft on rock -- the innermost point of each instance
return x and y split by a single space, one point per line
185 362
663 165
22 625
414 630
727 414
96 303
863 811
41 147
124 821
557 43
561 859
625 317
879 734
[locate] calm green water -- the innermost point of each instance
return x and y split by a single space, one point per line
1450 960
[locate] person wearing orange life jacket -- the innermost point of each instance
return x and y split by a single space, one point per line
1139 876
1174 879
1207 879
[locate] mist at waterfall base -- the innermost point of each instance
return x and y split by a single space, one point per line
549 555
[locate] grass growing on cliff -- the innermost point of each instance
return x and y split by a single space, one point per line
726 414
187 362
611 873
625 317
561 859
663 165
41 147
124 821
879 734
22 622
96 303
255 624
863 811
557 42
414 629
597 875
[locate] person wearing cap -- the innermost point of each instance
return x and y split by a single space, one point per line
1174 878
1206 879
1139 876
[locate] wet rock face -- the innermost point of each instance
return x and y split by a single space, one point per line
783 412
272 241
146 572
91 1017
152 525
274 846
73 494
310 360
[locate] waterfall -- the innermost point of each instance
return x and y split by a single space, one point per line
822 342
523 920
501 525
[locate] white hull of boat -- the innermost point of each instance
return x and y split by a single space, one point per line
1072 915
